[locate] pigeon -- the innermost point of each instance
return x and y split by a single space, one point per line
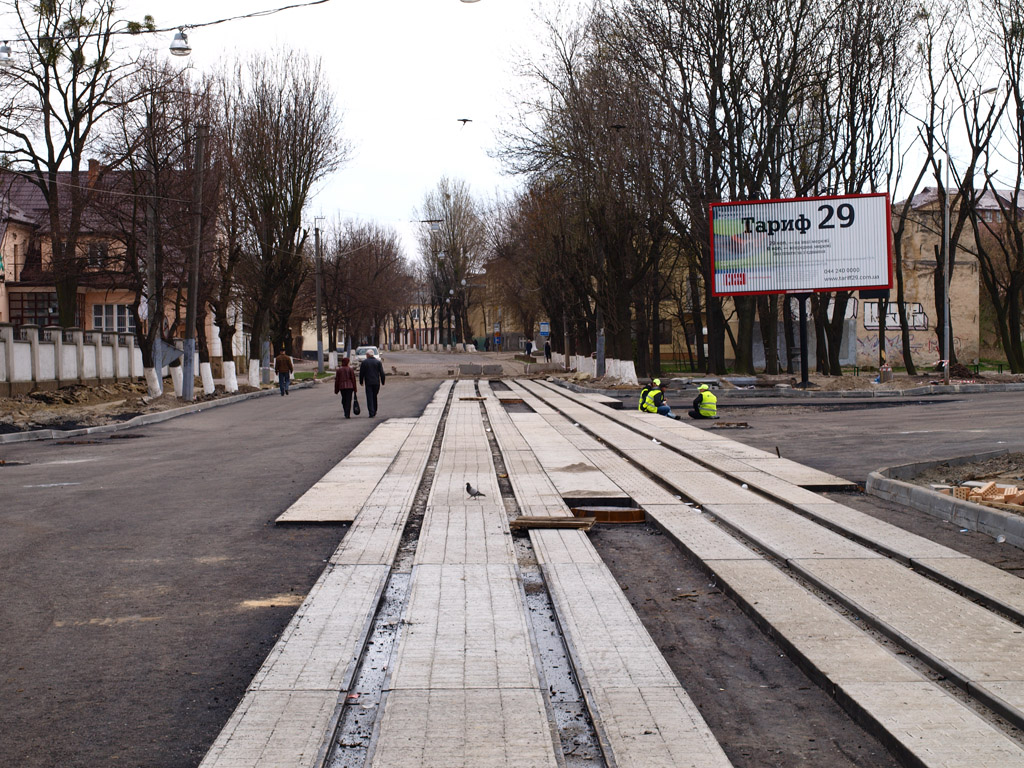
473 492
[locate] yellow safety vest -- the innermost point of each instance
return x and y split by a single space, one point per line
708 405
648 401
643 396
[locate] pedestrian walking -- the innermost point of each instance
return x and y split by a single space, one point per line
547 351
371 376
653 401
529 348
705 404
283 367
345 383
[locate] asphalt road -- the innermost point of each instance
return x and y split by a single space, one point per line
143 581
851 438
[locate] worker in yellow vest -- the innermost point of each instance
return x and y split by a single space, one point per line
652 400
705 405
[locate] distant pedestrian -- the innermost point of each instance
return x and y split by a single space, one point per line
345 383
283 367
371 376
529 348
653 401
705 404
547 351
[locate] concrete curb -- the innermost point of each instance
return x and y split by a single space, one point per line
887 483
797 394
140 421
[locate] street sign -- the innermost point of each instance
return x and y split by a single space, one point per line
545 329
497 339
801 245
497 328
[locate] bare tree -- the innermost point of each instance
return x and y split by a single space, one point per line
62 85
286 139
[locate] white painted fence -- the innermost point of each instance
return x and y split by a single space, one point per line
65 355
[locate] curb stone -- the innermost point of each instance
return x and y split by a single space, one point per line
886 483
139 421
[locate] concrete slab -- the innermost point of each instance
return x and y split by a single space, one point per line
467 533
464 728
255 735
785 533
701 538
339 495
466 628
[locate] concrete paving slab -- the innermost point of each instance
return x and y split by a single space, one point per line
254 736
906 545
786 533
1002 588
933 727
971 646
661 726
700 537
339 495
466 628
319 647
467 533
563 546
464 728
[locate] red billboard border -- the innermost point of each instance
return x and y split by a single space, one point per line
888 231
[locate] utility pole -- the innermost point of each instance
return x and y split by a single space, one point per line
319 317
188 364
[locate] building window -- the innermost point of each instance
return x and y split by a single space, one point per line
113 318
97 255
33 308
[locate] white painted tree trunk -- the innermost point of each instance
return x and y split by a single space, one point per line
177 377
206 374
154 385
230 379
254 373
332 360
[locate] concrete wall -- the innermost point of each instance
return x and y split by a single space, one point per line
52 357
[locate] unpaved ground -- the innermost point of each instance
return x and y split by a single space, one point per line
761 707
1001 469
76 407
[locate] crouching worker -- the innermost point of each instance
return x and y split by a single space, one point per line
652 400
705 404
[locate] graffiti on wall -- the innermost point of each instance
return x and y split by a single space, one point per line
917 318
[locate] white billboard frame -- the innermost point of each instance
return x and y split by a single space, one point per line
801 245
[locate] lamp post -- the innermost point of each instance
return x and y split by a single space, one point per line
319 314
945 239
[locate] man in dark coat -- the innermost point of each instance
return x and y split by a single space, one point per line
371 376
283 367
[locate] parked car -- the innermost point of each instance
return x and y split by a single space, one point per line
360 354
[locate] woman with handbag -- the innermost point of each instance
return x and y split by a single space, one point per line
345 383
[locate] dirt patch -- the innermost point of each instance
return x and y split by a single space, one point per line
761 707
78 406
1008 468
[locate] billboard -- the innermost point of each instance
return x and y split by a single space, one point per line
801 245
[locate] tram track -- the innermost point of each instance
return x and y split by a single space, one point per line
995 710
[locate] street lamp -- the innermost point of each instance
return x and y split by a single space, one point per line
319 314
945 237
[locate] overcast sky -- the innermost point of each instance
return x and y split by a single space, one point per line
403 71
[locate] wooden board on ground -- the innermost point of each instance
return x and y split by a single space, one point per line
535 521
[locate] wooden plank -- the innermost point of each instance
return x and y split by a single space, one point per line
533 521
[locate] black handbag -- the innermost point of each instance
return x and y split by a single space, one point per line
355 403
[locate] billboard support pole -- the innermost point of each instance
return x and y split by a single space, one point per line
804 383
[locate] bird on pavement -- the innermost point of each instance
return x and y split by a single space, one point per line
473 492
